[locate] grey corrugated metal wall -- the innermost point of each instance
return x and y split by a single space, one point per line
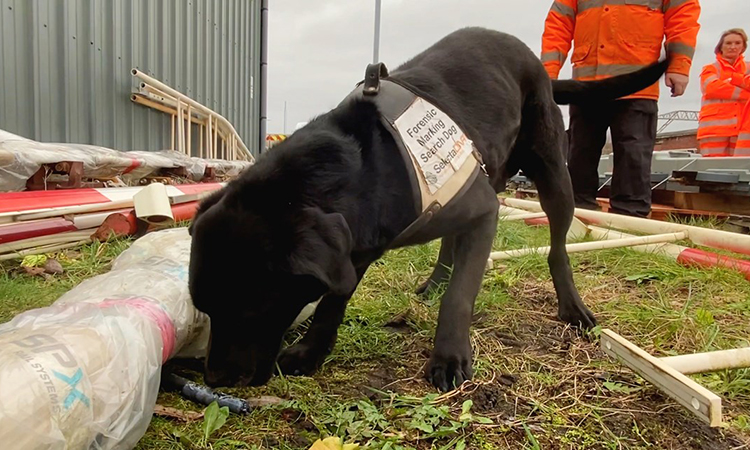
65 67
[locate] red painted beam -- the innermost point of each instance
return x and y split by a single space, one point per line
27 230
30 200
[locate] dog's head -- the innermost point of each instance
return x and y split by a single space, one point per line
259 254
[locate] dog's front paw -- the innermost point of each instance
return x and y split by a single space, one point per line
578 315
448 369
300 359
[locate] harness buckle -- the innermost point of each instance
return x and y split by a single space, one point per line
373 74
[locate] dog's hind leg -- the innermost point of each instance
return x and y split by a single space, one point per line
442 270
547 168
451 360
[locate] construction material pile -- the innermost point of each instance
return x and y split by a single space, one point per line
32 165
35 222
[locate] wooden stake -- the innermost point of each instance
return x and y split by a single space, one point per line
200 142
189 126
44 249
209 136
150 82
699 400
173 119
53 239
180 129
216 139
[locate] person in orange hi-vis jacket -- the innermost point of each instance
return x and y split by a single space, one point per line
614 37
726 91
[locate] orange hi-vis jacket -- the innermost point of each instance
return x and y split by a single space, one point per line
726 91
613 37
742 147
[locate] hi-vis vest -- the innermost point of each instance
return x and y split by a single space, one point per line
724 97
440 158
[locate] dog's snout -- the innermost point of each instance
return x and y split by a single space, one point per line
216 374
222 379
215 379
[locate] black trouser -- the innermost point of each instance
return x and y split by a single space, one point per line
633 127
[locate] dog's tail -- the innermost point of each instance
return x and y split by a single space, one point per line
572 91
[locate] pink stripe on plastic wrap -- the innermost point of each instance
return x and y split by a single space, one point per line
157 315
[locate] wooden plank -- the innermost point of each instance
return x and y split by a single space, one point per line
733 204
702 402
661 210
145 101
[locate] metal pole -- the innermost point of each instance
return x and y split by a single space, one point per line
284 132
376 44
263 73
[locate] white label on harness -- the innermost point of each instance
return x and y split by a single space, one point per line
435 142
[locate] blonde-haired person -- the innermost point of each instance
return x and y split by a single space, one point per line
726 90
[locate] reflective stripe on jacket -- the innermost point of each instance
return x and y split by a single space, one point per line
726 91
613 37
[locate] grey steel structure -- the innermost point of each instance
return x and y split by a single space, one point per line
65 67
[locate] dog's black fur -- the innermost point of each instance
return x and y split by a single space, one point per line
312 214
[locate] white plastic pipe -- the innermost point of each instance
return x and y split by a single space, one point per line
515 217
710 361
508 211
726 240
596 245
665 248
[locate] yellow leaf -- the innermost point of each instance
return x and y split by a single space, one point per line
332 443
329 443
34 260
319 445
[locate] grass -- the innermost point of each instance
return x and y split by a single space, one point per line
538 384
19 292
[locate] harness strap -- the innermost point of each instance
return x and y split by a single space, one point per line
393 98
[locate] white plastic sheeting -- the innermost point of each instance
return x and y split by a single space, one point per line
20 158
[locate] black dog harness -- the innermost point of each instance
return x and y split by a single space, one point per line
441 160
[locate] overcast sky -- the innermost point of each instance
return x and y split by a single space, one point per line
319 50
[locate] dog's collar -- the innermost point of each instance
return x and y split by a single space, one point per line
441 160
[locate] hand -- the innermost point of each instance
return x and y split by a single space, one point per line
677 83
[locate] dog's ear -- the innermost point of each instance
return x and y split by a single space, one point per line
323 251
205 204
359 119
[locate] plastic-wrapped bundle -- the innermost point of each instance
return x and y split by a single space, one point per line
20 158
84 373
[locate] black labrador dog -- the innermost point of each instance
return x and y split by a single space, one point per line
309 217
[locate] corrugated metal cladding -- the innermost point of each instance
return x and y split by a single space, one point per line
65 67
